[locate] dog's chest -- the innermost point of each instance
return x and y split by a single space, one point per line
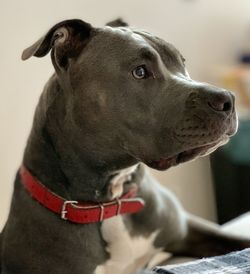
127 254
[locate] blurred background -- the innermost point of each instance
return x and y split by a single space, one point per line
214 37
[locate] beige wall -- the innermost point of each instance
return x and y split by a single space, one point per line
206 31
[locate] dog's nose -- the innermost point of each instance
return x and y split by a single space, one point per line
212 100
222 101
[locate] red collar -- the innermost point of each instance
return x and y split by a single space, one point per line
79 212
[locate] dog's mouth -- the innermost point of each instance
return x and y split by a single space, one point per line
184 156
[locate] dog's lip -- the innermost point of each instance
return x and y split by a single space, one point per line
184 156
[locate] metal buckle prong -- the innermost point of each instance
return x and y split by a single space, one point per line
119 205
64 210
102 212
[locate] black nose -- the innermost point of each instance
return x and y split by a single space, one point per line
221 101
211 99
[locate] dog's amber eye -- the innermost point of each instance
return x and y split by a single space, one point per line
140 72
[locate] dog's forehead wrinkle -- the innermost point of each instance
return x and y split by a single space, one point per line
148 52
120 41
137 37
170 56
124 33
160 42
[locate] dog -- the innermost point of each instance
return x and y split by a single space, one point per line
83 202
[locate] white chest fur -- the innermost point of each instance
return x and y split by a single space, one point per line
116 184
127 254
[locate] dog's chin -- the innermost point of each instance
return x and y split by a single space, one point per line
186 155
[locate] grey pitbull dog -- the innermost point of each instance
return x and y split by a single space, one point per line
119 97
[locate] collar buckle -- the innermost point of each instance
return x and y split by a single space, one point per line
64 208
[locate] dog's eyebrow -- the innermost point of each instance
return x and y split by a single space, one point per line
146 53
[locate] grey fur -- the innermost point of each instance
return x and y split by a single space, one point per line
93 118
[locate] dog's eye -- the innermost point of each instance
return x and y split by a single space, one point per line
140 72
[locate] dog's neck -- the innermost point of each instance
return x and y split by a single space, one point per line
62 166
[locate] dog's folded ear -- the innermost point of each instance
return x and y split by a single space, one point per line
117 23
66 39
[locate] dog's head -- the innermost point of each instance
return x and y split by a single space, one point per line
129 92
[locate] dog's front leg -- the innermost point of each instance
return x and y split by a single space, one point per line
179 232
206 239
